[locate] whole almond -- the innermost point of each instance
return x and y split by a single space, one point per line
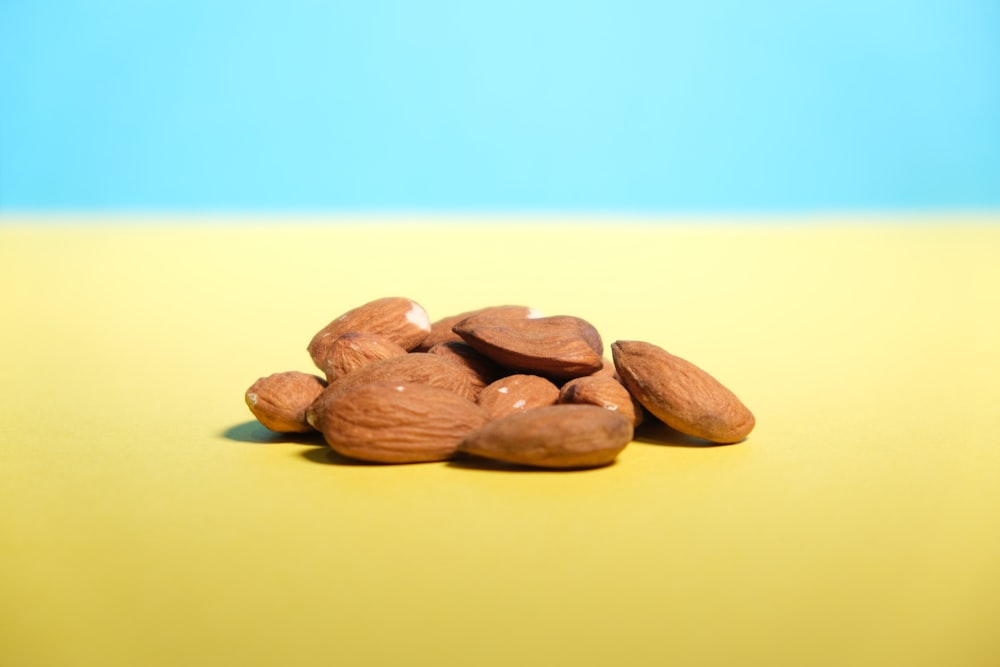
680 394
418 367
603 391
441 330
401 320
560 347
517 393
557 436
279 401
354 350
388 422
481 370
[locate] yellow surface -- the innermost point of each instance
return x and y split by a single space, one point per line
146 521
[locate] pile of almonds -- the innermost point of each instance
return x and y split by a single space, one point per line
502 383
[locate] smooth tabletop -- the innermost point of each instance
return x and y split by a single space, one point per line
145 519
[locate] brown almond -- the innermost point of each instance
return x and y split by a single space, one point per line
441 330
354 350
680 394
560 347
557 436
401 320
481 370
607 369
603 391
388 422
279 401
517 393
418 367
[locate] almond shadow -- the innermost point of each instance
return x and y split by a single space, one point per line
468 462
254 431
654 432
327 456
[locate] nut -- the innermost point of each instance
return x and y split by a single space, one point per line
418 367
603 391
279 401
517 393
560 347
481 370
557 436
388 422
351 351
607 369
441 330
401 320
486 383
680 394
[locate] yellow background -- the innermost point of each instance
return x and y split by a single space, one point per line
146 521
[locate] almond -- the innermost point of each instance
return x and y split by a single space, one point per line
560 347
388 422
557 436
680 394
401 320
418 367
279 401
482 371
603 391
517 393
607 369
354 350
441 330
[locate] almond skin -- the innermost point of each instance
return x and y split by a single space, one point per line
279 401
680 394
482 371
603 391
441 330
418 367
401 320
517 393
388 422
560 347
607 369
351 351
557 436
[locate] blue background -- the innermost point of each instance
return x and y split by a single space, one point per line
386 105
